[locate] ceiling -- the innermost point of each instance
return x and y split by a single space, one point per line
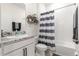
22 5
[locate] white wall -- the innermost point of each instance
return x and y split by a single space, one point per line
11 12
31 8
64 30
64 26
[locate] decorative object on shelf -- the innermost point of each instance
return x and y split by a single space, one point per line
16 26
5 33
32 18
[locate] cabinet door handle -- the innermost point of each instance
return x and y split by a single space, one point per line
23 52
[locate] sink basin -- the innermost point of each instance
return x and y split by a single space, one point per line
15 37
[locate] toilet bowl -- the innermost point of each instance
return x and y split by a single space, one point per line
40 49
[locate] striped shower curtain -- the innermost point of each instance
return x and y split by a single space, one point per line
47 29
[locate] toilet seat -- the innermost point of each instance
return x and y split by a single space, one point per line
41 46
40 49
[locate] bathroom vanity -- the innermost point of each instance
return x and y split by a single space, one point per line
15 42
19 45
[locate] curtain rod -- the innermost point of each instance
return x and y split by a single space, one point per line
66 6
58 9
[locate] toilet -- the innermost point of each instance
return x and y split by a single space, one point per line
40 49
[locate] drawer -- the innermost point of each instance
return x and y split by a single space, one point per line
23 43
17 45
18 52
7 48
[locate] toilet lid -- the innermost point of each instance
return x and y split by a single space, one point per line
41 46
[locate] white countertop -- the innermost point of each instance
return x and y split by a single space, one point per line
15 38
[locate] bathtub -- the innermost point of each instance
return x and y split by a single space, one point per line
65 49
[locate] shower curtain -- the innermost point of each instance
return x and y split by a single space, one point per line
75 26
47 29
75 31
